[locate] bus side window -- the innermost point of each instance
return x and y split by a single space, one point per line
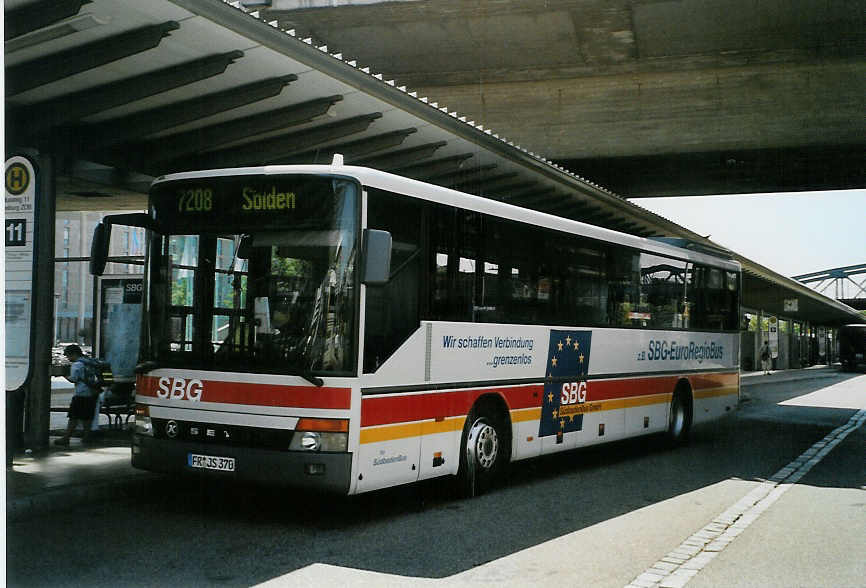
183 252
467 283
623 298
663 292
453 266
715 295
516 253
696 295
442 266
392 310
732 304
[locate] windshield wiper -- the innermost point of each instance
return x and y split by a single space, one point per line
300 356
312 379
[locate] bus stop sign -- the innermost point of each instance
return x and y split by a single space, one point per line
19 248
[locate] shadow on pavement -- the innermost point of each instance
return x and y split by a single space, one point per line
205 531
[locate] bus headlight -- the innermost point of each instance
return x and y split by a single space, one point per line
319 441
320 435
311 441
143 424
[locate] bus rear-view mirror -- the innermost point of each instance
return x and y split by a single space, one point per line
377 257
245 247
99 248
102 236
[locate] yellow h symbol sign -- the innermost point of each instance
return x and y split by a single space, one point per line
17 178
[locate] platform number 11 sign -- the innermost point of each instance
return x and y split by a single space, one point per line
20 208
16 232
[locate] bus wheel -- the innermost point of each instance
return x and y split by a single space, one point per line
679 421
482 455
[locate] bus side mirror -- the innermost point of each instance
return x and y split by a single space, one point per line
245 247
99 248
377 257
102 236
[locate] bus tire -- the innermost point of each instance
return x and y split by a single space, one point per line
680 416
483 452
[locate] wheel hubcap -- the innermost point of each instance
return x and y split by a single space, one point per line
486 445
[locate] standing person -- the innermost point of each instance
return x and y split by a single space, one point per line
765 358
83 400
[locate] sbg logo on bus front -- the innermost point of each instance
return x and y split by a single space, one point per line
180 389
573 393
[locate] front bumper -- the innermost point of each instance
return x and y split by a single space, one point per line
256 465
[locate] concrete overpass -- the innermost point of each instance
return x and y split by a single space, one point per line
646 97
115 93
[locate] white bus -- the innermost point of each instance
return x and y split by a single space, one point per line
345 329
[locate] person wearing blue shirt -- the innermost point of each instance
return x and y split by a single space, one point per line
83 403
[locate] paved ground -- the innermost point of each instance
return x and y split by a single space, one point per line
600 517
812 535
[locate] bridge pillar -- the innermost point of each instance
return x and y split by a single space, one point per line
38 416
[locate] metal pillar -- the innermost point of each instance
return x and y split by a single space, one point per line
84 280
759 342
37 418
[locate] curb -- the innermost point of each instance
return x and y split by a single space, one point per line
779 378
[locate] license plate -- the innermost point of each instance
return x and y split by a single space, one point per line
211 462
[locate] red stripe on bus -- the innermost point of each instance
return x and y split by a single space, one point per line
390 409
706 381
625 388
614 389
254 394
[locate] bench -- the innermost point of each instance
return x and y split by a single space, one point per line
118 414
118 408
119 404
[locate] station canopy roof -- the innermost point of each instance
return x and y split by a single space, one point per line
121 92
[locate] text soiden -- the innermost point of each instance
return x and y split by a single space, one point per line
272 200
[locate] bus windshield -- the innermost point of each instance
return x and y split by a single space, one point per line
254 273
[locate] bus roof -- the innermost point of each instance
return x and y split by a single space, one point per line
433 193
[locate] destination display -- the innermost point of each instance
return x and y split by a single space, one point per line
254 201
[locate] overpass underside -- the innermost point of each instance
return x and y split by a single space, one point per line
647 97
117 93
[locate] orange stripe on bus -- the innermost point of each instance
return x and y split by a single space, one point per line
714 392
527 414
620 403
392 432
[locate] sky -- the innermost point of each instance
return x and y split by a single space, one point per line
791 233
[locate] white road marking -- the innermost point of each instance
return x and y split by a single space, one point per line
683 563
838 396
538 564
